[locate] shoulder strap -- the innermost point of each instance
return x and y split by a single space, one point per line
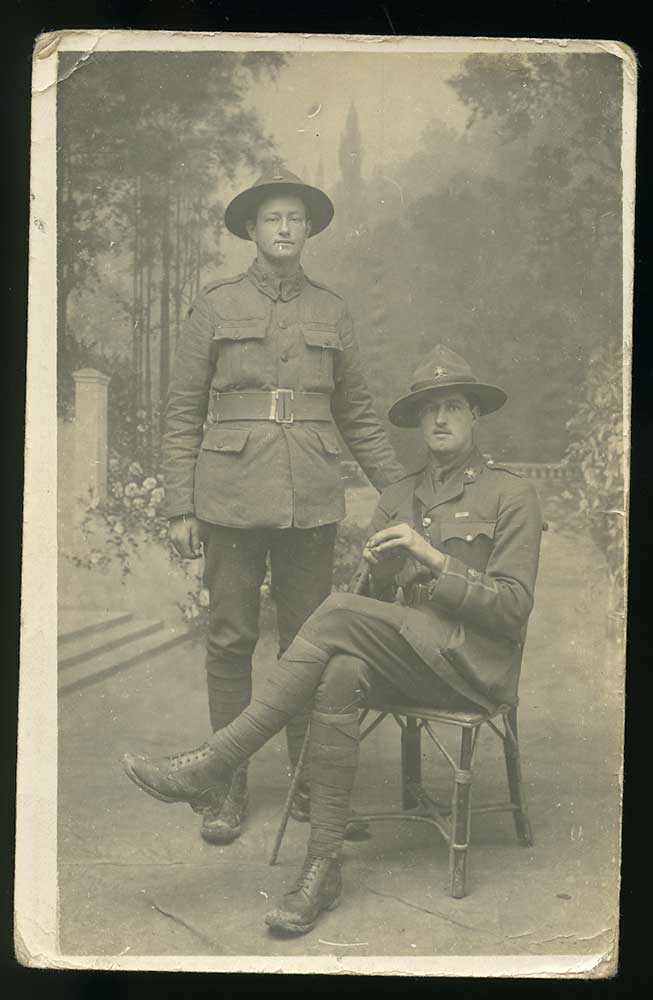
325 288
503 468
222 281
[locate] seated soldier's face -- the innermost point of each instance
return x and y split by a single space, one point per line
281 228
447 420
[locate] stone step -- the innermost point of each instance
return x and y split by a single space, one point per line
99 667
94 644
75 623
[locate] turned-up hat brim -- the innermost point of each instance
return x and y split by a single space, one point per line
405 412
245 205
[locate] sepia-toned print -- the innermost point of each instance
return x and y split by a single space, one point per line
326 504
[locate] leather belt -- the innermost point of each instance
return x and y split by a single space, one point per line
284 406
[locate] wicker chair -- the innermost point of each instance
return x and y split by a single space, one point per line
452 819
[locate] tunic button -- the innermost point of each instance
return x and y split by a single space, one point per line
469 538
284 356
426 522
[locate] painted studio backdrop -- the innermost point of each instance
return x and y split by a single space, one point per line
478 204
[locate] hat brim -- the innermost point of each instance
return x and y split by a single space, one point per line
404 413
245 205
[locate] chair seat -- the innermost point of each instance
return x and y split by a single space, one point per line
443 715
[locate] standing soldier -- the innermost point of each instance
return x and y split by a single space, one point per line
266 368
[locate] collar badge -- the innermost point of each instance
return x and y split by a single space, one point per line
470 473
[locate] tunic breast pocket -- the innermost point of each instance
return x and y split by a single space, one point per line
241 353
470 541
322 345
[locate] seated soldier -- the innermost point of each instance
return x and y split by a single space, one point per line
460 541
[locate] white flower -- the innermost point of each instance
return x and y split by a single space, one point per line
149 483
138 503
140 428
150 512
119 528
117 490
157 495
126 502
135 469
95 557
204 598
131 490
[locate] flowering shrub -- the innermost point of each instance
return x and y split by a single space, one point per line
132 512
597 452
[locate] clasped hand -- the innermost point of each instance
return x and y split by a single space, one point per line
394 544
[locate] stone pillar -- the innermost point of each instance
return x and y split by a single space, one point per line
91 392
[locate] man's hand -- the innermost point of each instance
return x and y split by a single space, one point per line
185 536
398 541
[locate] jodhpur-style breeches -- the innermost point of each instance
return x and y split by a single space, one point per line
349 650
301 563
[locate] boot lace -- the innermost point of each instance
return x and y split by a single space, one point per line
187 757
312 870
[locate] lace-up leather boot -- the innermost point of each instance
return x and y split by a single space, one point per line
318 888
222 825
197 777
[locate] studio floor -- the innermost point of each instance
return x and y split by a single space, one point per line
135 878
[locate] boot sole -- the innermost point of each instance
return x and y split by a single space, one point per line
217 838
196 806
225 837
293 928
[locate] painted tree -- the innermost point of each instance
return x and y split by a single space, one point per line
158 150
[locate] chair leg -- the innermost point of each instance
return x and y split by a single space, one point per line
281 832
515 784
411 761
461 813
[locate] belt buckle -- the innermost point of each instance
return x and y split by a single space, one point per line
281 410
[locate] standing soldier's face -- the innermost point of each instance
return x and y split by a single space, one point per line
281 228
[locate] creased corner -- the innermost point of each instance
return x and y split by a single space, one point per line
47 43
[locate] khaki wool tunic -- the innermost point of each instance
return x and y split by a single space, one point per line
468 623
255 332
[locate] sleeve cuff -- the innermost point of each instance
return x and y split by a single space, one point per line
450 587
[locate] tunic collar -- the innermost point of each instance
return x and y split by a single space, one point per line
274 286
463 471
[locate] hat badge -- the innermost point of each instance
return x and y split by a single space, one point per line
439 372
